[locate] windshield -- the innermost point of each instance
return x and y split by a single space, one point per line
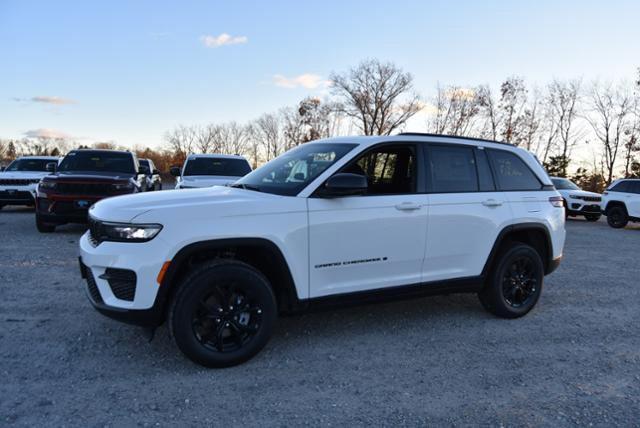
290 172
29 165
98 162
217 166
564 184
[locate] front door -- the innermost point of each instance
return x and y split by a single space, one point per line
375 240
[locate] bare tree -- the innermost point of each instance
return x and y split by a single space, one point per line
206 138
181 140
489 113
610 111
379 97
456 109
234 138
563 98
513 99
266 129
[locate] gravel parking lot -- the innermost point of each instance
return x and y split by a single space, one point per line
574 360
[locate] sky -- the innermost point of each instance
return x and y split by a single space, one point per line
128 71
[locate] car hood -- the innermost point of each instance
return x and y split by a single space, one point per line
91 176
207 180
566 193
23 174
182 205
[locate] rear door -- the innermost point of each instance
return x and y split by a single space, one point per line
633 201
520 185
375 240
466 212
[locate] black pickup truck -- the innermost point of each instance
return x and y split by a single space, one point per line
83 178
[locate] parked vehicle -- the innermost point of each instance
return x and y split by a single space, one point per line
578 202
621 202
83 178
154 181
18 181
210 170
361 218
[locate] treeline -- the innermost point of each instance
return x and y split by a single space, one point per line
588 131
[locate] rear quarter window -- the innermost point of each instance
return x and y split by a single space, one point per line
511 172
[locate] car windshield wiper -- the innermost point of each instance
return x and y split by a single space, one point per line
246 187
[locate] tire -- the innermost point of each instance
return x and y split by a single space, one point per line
506 293
592 217
617 217
44 227
202 319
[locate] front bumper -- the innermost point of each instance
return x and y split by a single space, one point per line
583 207
18 195
146 308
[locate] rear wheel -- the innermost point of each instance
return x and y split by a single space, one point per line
44 227
617 217
515 283
592 217
223 314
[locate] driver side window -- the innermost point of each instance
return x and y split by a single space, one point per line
390 170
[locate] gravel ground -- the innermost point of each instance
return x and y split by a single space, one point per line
575 360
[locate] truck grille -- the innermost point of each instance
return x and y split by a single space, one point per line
83 188
591 198
18 181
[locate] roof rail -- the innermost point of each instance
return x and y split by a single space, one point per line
426 134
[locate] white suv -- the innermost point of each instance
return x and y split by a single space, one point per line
577 201
210 170
621 202
364 218
19 180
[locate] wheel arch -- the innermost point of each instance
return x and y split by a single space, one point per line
262 254
536 235
615 203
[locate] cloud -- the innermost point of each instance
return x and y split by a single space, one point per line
223 39
307 81
46 100
47 133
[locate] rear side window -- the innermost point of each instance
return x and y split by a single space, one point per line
623 186
634 187
511 172
453 169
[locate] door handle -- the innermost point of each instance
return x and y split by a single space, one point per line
491 203
407 206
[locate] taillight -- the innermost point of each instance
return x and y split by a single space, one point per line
556 201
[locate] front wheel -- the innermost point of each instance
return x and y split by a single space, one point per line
44 227
223 314
617 217
592 217
514 285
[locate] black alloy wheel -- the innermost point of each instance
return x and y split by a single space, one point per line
617 217
519 283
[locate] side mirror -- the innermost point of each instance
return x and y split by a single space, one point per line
142 169
345 184
51 167
175 171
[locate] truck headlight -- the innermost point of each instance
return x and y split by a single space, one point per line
123 186
126 232
47 185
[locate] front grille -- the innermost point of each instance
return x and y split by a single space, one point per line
83 188
592 198
122 282
16 196
18 181
92 286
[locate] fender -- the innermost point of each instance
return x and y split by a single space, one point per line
549 263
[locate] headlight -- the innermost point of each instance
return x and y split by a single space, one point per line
126 232
47 185
123 186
